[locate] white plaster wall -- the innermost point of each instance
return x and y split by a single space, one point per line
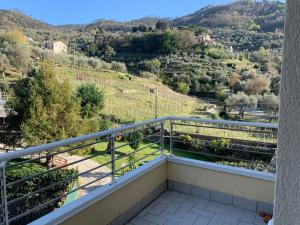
287 190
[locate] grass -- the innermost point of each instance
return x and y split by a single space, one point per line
131 98
121 150
148 153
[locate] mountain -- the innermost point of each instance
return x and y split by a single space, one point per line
13 18
33 28
249 14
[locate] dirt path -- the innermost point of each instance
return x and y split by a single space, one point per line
90 176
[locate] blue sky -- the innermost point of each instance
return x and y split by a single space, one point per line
84 11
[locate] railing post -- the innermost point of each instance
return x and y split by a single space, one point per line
162 140
4 193
171 138
113 158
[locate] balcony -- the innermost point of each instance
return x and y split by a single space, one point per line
182 174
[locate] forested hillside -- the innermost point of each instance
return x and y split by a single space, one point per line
247 14
228 54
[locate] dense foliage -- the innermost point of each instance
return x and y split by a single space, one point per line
34 184
92 100
250 14
134 139
44 110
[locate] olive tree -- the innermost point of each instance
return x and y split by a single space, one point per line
118 67
241 101
269 103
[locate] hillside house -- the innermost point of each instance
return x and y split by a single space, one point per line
204 39
56 46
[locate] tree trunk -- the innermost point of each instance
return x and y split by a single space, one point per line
49 161
108 148
242 111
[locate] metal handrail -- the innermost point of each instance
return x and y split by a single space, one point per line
62 143
57 144
164 130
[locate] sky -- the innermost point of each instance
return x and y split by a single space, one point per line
58 12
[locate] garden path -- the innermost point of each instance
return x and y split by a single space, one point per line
90 176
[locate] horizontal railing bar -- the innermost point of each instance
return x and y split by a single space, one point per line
60 182
46 147
140 129
54 154
244 143
54 169
240 150
225 128
227 122
236 139
221 157
55 199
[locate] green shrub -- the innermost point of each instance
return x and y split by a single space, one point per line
183 88
34 184
105 124
256 165
135 139
220 147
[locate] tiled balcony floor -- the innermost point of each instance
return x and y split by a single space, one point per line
174 208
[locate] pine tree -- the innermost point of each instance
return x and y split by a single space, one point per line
53 112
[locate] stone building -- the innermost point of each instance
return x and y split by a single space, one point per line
56 46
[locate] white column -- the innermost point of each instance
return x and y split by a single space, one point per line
287 191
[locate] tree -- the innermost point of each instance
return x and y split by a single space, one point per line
48 110
183 88
18 102
257 85
184 39
161 25
118 67
92 100
20 57
234 79
4 63
275 85
43 110
52 111
109 51
269 103
16 51
241 101
152 66
252 25
134 139
16 36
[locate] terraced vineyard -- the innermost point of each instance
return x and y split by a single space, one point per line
132 98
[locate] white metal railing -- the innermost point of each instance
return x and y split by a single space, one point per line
182 134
